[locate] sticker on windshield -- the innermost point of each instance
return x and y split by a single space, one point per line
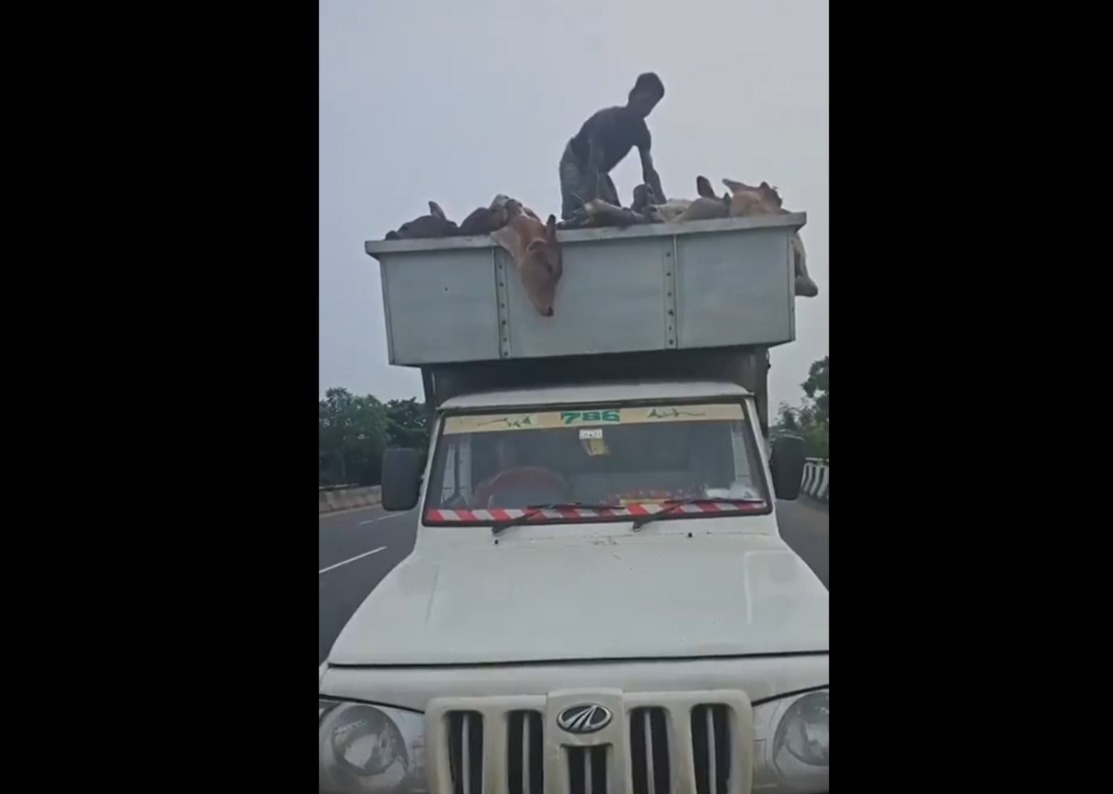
551 420
591 438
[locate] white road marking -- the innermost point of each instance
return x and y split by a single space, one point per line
351 559
382 518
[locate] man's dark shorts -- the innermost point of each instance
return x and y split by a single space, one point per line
573 191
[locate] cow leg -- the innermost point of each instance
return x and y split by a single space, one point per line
803 284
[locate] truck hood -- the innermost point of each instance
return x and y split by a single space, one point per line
633 598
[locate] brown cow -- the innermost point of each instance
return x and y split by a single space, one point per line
435 224
484 220
536 252
603 213
707 206
746 200
804 287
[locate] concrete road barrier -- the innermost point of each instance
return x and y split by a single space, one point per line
817 474
347 498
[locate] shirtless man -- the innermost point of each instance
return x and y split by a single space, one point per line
601 144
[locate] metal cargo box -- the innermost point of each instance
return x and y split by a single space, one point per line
721 283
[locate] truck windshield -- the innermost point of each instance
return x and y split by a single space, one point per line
598 463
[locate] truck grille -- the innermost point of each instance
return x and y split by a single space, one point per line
656 743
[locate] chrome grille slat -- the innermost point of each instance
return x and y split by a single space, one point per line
587 770
712 772
649 751
523 754
711 743
465 742
526 787
466 754
651 774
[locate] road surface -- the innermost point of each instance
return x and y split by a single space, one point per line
357 548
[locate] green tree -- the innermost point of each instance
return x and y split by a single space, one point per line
811 418
406 424
352 433
816 388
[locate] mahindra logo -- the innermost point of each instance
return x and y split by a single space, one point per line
584 718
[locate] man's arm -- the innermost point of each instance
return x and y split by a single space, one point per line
649 173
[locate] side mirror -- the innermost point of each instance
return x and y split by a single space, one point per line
401 478
787 466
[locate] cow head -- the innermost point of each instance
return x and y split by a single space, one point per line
543 267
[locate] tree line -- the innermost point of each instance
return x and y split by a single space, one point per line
810 418
353 431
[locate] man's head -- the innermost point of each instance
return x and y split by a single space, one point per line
646 93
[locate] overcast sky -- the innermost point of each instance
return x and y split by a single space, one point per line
458 101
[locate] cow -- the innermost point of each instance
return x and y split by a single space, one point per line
536 253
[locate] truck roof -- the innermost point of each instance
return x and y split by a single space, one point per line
601 392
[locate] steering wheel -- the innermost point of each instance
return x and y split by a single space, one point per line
526 477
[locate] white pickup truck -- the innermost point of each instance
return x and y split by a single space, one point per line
599 599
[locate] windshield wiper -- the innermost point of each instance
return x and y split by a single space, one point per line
532 510
675 504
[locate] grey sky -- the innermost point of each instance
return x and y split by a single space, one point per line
456 102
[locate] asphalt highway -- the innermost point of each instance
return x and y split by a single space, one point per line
357 548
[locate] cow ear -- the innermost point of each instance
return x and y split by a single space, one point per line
536 247
550 226
769 193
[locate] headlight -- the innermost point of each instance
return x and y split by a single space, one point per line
792 743
370 749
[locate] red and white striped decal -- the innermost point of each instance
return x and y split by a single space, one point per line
645 509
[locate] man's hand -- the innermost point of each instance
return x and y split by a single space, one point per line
650 177
654 182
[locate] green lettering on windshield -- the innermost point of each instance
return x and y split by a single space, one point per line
506 421
670 413
578 417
